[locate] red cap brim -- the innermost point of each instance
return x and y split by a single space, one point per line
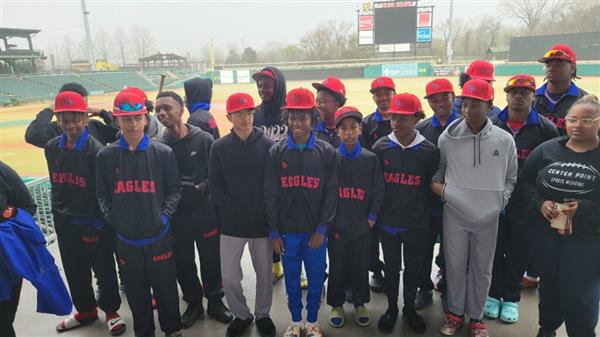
70 110
258 75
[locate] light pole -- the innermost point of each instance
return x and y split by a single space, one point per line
88 35
449 50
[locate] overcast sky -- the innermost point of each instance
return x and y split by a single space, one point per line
186 26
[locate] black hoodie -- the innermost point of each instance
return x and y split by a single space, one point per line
236 173
198 94
267 116
13 191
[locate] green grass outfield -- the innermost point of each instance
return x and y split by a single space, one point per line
29 160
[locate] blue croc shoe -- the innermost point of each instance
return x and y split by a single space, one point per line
492 308
510 312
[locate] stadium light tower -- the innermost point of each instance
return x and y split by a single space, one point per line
88 35
449 51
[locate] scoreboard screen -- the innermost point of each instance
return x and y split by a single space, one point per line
395 22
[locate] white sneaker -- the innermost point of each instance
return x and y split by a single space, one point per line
293 330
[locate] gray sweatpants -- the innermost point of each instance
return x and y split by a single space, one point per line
261 253
469 252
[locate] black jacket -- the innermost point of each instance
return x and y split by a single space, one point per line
407 177
136 188
536 130
268 114
300 187
192 153
73 176
558 114
432 129
236 172
327 135
42 129
13 191
360 192
198 93
373 128
554 172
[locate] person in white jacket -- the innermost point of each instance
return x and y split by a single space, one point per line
476 175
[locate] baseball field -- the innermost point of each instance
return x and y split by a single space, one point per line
29 160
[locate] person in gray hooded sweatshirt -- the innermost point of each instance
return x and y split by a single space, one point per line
476 175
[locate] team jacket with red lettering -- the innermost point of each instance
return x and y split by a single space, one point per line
360 192
72 176
300 187
556 113
136 188
407 173
373 128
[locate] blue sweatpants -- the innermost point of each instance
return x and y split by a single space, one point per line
296 251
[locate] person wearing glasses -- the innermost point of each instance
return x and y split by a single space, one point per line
555 97
561 182
529 129
138 190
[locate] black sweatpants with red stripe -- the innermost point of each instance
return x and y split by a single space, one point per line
188 234
147 268
83 248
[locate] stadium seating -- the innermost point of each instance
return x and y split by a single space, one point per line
120 80
25 90
58 80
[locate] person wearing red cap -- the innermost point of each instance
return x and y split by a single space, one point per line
154 129
85 242
440 96
138 189
359 202
42 128
554 98
270 83
198 96
301 200
409 161
477 70
236 174
476 176
331 95
194 223
375 126
529 129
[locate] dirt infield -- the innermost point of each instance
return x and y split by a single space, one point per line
29 160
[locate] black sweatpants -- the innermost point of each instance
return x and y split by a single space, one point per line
425 282
340 276
415 244
83 248
188 235
146 268
375 264
569 289
8 311
510 260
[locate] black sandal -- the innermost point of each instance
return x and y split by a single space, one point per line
265 327
237 327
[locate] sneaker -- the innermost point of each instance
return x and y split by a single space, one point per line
337 317
451 325
423 299
312 330
193 311
478 329
293 330
529 283
277 271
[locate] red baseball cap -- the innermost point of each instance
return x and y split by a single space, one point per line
481 70
299 99
405 104
128 103
136 91
264 73
559 52
69 101
332 84
478 89
439 85
347 112
520 81
239 101
382 82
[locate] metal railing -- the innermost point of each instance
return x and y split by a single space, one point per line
39 189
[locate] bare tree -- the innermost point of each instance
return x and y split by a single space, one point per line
120 41
67 50
101 44
575 17
532 12
328 41
457 28
142 42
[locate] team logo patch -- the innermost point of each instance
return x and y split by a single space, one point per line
386 162
435 86
381 81
68 101
496 153
193 153
398 104
284 165
471 89
243 100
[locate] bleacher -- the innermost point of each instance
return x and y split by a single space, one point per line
25 90
119 80
57 80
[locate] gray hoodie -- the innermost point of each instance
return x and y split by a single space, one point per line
479 171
